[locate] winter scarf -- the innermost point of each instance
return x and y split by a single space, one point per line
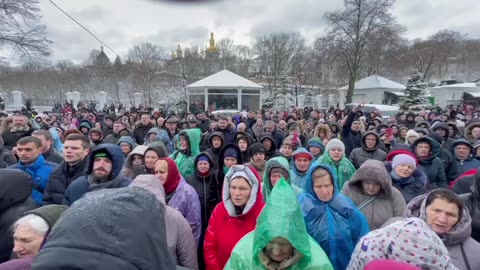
173 177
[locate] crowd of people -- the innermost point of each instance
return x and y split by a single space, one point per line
301 189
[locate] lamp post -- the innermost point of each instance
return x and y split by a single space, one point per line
184 84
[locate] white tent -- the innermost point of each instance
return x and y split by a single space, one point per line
224 90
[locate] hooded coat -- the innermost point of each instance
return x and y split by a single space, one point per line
220 176
226 227
387 203
60 180
84 184
141 131
278 162
298 178
129 234
128 169
40 171
447 140
244 136
468 132
323 128
273 150
128 140
336 225
432 165
15 200
281 217
362 154
213 152
351 139
468 164
410 187
6 155
462 248
472 202
185 159
317 142
409 240
180 240
343 170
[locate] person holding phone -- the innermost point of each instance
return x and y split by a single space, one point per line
351 131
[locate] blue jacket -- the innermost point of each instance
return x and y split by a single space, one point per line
40 171
336 225
298 178
81 185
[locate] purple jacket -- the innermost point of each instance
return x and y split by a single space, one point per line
187 202
17 264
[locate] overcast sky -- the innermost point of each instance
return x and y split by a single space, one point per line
124 23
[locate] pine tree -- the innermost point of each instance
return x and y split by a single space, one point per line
415 93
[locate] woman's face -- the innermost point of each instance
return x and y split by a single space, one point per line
161 171
336 154
152 136
98 125
323 188
404 170
371 188
126 148
279 249
243 145
411 139
150 158
240 191
27 241
137 160
442 216
258 157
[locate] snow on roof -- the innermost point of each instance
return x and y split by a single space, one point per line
224 79
459 85
375 82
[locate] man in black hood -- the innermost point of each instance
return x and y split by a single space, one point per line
122 229
105 163
215 143
443 130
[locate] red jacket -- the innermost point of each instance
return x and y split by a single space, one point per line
225 230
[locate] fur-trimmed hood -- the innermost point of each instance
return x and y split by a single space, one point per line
325 128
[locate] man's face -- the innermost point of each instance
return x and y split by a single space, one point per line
145 119
282 124
73 151
259 123
370 141
241 127
229 162
216 142
462 151
102 168
267 143
95 136
441 132
476 132
287 150
356 125
172 126
20 121
45 143
27 241
270 127
108 122
302 164
251 115
117 127
28 153
422 150
222 124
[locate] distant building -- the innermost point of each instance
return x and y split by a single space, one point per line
102 59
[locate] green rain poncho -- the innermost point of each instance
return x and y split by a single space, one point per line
277 162
344 169
186 159
281 217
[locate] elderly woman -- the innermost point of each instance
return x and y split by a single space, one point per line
370 188
330 217
30 232
275 169
180 240
280 240
179 194
153 153
334 157
234 217
409 240
411 136
409 179
446 215
134 164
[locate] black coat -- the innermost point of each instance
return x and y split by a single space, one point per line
126 233
350 138
11 138
472 202
53 156
140 132
60 179
6 155
15 200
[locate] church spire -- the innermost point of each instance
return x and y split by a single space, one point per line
212 47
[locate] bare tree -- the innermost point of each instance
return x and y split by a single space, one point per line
228 54
145 64
276 52
21 30
354 27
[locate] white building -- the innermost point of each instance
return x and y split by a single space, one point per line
455 93
374 89
224 90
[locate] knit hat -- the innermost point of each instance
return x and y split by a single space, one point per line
102 154
412 132
230 153
306 155
50 213
257 148
203 158
172 119
335 143
403 159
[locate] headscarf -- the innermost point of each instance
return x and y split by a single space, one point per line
173 177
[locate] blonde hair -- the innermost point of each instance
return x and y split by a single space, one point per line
162 164
320 172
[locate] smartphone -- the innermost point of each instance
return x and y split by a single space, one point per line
389 132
